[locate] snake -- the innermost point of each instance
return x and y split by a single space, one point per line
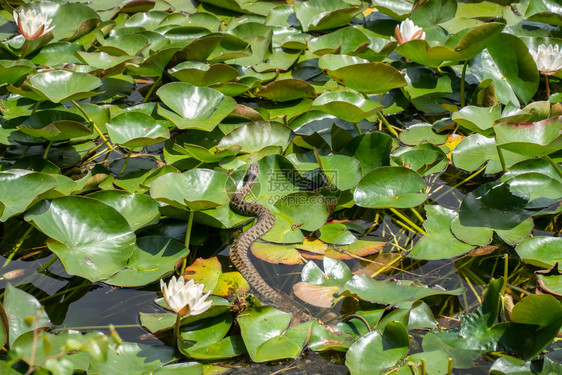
241 245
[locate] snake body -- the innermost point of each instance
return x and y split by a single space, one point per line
240 247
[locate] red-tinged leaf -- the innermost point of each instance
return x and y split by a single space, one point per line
204 271
321 296
231 283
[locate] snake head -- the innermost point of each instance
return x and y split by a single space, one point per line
253 170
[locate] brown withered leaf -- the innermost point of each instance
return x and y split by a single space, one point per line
482 251
544 284
317 295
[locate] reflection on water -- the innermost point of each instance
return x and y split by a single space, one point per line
75 303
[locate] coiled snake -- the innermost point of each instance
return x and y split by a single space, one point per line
241 245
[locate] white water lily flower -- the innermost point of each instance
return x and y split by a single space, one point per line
408 31
185 298
548 59
31 24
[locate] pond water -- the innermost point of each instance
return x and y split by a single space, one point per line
75 303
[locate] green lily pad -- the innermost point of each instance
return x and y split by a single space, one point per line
72 347
194 107
335 273
200 74
348 106
372 150
439 243
342 171
531 138
478 119
19 306
424 159
55 125
547 11
331 338
132 358
60 86
347 41
542 190
71 20
418 133
184 368
13 70
336 233
93 239
307 210
198 189
493 206
463 45
209 273
102 60
478 236
160 322
153 258
475 150
317 15
434 12
205 339
54 54
390 187
351 72
378 350
388 292
287 89
124 45
435 362
508 63
256 136
267 335
19 188
139 210
540 251
136 129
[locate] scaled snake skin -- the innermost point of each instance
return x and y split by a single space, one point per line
241 245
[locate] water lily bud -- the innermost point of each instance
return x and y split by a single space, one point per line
408 31
548 59
31 24
185 298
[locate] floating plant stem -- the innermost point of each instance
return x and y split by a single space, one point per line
187 237
93 125
547 86
48 264
460 183
357 128
554 165
417 214
177 328
387 124
47 149
126 161
18 245
357 316
25 47
97 155
408 221
502 160
151 90
463 76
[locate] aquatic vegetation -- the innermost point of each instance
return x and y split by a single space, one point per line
409 151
